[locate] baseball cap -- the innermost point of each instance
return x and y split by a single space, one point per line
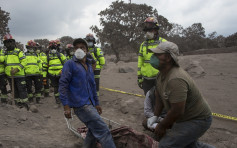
168 47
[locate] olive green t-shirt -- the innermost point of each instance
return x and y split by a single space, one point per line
178 86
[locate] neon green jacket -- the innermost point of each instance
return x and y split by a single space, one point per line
34 64
2 67
55 63
98 57
43 58
15 59
145 70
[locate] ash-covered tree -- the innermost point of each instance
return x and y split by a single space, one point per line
231 40
121 30
194 37
4 18
66 40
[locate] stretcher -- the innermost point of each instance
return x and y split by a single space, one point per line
79 129
123 136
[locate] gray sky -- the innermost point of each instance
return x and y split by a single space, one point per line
52 19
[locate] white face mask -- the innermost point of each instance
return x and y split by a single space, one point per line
79 54
31 50
90 44
149 35
71 53
37 51
53 51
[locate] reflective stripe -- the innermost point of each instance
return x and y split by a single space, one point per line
100 56
32 64
30 95
38 95
139 54
97 69
139 68
97 76
149 78
15 64
55 65
22 58
56 95
147 61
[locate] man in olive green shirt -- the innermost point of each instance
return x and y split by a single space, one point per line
188 114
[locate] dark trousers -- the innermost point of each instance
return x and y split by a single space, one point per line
19 88
147 85
55 83
3 84
37 83
97 79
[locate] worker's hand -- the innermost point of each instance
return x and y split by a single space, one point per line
44 81
67 111
99 109
160 131
151 121
139 82
14 71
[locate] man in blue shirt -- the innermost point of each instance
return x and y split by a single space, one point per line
77 90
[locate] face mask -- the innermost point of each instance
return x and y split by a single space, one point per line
79 54
154 61
31 50
53 51
71 53
37 51
149 35
90 44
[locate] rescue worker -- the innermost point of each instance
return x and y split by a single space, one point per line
146 73
33 71
69 51
43 58
98 56
15 62
55 62
3 78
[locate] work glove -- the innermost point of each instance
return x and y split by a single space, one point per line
44 81
14 71
139 82
151 121
67 111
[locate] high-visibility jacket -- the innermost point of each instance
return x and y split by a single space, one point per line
2 67
43 58
55 63
98 57
145 70
34 64
69 57
15 59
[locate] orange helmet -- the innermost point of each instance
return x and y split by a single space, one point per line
8 37
150 23
52 44
58 42
90 37
69 46
30 43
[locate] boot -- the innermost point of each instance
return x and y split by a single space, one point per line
38 100
31 100
26 105
46 94
58 103
4 100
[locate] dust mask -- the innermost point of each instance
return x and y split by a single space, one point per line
53 51
90 44
154 61
149 35
79 54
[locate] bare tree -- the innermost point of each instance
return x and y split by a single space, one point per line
4 18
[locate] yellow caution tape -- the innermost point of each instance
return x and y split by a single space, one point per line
213 114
